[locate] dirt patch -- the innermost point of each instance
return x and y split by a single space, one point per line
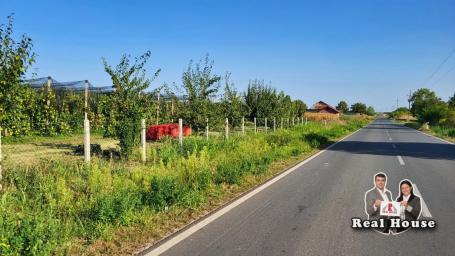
49 148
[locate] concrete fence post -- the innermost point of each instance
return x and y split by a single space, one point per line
255 127
180 131
207 129
1 159
274 124
158 110
306 120
172 108
292 121
265 124
243 125
85 98
143 140
227 129
281 123
86 140
48 102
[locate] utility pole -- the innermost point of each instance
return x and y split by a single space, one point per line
397 103
409 99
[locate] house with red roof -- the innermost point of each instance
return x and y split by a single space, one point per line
322 107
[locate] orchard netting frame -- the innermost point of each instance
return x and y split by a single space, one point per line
38 83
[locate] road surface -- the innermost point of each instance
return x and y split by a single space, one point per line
309 211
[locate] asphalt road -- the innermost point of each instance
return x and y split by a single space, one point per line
309 211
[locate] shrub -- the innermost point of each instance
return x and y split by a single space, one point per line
164 191
315 140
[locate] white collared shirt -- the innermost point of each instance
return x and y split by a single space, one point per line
383 195
406 198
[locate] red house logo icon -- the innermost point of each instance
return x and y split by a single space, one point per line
389 208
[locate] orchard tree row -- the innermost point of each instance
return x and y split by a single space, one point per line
27 111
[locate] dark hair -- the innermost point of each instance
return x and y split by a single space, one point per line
381 175
409 183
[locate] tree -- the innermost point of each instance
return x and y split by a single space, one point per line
128 103
427 107
232 105
359 108
299 107
370 111
434 114
421 99
15 59
342 106
262 100
201 86
285 105
451 102
251 98
45 114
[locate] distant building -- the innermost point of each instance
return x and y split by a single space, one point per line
322 107
322 111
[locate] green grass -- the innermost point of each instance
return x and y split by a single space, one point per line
444 132
29 151
63 207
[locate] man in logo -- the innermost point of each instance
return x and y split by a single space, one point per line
373 199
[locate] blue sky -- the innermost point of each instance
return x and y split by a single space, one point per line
368 51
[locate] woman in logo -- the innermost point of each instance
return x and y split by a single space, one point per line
410 203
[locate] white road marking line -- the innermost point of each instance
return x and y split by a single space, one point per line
425 211
393 146
400 160
429 135
192 229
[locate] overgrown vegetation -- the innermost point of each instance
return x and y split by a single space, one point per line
431 112
55 206
400 113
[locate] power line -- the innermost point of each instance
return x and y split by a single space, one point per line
439 67
446 73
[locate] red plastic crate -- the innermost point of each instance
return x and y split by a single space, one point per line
156 132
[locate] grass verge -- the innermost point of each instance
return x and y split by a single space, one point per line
447 133
61 207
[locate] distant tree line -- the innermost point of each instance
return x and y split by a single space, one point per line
356 108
